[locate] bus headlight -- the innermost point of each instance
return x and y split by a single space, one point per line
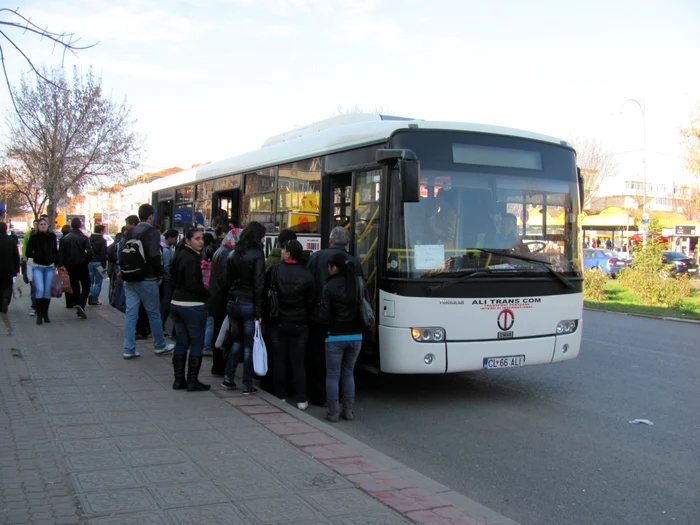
567 327
425 335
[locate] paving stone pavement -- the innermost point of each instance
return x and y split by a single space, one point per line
94 439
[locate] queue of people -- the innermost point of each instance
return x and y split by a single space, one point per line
313 336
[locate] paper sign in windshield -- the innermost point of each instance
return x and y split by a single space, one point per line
429 256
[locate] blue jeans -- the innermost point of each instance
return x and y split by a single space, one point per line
190 322
242 330
341 357
43 278
95 269
209 334
145 292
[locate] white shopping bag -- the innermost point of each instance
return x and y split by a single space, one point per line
30 270
259 352
17 288
223 334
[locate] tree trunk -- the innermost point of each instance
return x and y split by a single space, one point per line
51 212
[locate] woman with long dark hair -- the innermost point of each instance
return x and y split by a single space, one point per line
189 312
246 285
340 309
42 248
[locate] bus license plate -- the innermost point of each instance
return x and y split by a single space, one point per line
511 361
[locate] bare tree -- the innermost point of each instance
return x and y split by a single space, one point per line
691 137
597 164
356 109
690 202
70 136
12 22
26 188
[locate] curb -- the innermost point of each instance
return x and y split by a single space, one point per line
466 505
645 316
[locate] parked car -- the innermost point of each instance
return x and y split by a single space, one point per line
682 264
606 261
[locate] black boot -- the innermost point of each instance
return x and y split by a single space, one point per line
333 414
179 362
218 365
348 408
47 303
193 384
39 311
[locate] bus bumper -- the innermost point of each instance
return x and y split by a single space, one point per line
410 357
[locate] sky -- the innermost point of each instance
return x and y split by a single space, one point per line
211 79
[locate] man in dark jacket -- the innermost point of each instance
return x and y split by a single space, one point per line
316 354
9 266
97 266
145 291
74 253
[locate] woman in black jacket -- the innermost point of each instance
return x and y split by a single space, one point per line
246 285
340 309
289 333
42 248
189 312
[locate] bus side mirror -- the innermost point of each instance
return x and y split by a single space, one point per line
407 168
580 188
409 177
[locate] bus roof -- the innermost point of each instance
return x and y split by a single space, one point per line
329 136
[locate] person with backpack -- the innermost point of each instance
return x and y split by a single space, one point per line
340 309
189 311
141 269
74 254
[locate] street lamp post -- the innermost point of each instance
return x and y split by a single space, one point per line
644 154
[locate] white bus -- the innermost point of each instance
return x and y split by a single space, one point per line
468 235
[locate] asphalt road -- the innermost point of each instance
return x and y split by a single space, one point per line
553 444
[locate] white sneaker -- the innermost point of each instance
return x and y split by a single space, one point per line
303 405
168 348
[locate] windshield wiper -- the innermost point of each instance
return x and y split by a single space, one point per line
546 264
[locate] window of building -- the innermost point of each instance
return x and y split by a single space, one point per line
298 196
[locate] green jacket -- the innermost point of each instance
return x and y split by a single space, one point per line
275 257
25 241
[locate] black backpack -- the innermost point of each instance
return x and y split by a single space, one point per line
132 261
112 253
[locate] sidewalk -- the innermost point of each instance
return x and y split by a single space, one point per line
96 439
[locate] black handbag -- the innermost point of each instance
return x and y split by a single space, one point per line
273 304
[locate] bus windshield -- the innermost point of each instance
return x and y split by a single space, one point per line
470 220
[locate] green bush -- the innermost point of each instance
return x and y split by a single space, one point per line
650 279
594 282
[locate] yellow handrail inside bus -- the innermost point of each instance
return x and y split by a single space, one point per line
369 226
371 249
